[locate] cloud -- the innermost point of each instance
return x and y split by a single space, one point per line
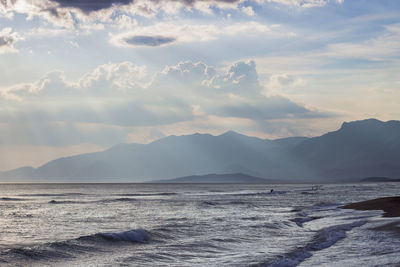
278 83
304 3
76 14
274 107
74 44
385 45
184 77
7 40
111 94
113 77
125 22
186 33
236 92
122 96
241 78
248 10
88 6
142 40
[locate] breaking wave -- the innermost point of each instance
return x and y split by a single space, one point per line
121 199
65 202
53 195
138 235
12 199
108 200
147 194
324 238
269 193
63 250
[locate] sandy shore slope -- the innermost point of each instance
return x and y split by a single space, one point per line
390 205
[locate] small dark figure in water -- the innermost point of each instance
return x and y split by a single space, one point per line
315 187
272 190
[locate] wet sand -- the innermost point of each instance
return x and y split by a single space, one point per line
390 206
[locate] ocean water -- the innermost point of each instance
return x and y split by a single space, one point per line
193 225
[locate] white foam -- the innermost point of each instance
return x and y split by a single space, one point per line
324 238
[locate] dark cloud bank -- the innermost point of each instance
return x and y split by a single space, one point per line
149 40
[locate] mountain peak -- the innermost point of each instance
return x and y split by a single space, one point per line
367 124
231 133
359 149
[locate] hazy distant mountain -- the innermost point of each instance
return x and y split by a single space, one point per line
380 180
218 178
170 157
358 149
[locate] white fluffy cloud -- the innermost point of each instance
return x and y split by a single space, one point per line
7 40
122 76
248 10
68 14
281 82
105 80
76 13
124 96
119 94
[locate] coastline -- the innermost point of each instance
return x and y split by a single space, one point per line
389 205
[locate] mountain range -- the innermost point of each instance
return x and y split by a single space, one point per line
237 178
359 149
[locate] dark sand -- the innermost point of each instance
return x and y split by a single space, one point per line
390 205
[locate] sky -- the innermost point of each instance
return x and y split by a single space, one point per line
79 76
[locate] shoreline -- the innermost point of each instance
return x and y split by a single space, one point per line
389 205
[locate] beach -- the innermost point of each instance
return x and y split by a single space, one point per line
390 206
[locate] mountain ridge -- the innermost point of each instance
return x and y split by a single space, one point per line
365 148
218 178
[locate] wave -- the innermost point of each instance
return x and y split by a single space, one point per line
273 225
309 192
12 199
209 203
122 199
302 212
138 235
62 250
269 193
299 221
134 236
109 200
217 204
146 194
52 195
324 204
65 202
318 206
324 238
33 253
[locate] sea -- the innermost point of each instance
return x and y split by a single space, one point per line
194 225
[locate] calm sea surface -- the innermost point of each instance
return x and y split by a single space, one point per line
193 225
